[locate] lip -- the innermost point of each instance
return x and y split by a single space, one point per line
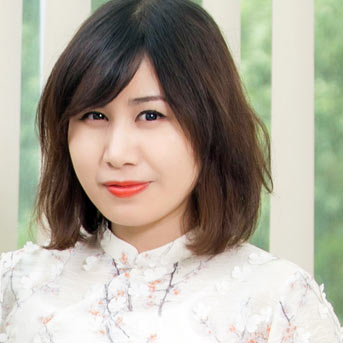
126 189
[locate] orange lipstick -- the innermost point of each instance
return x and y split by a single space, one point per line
126 189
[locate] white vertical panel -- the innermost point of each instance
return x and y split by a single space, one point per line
227 14
292 205
10 84
59 21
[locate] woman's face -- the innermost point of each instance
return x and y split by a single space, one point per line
132 157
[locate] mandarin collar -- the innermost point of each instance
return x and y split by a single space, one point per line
127 256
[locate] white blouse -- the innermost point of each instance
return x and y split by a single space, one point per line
110 293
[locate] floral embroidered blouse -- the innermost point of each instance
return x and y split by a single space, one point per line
108 292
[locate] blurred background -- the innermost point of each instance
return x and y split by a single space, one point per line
255 67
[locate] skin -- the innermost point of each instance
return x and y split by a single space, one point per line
120 143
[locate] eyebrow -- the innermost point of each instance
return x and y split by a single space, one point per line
148 98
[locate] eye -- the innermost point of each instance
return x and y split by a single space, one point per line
150 115
93 116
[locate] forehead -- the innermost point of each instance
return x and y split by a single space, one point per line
145 81
144 87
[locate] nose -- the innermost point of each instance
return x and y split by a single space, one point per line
120 148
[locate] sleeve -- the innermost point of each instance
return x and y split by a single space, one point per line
303 315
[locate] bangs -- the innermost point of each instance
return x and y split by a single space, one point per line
103 61
103 81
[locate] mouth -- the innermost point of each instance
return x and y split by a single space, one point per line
126 189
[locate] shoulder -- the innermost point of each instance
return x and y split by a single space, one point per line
15 265
15 260
248 262
35 258
16 268
30 255
34 267
31 266
262 275
296 300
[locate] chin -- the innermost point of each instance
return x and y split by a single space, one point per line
130 220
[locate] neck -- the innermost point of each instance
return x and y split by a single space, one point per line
152 235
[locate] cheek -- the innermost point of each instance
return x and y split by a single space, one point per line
175 160
83 155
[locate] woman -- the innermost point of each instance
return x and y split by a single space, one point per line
151 180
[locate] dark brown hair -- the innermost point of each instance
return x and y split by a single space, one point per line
203 88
